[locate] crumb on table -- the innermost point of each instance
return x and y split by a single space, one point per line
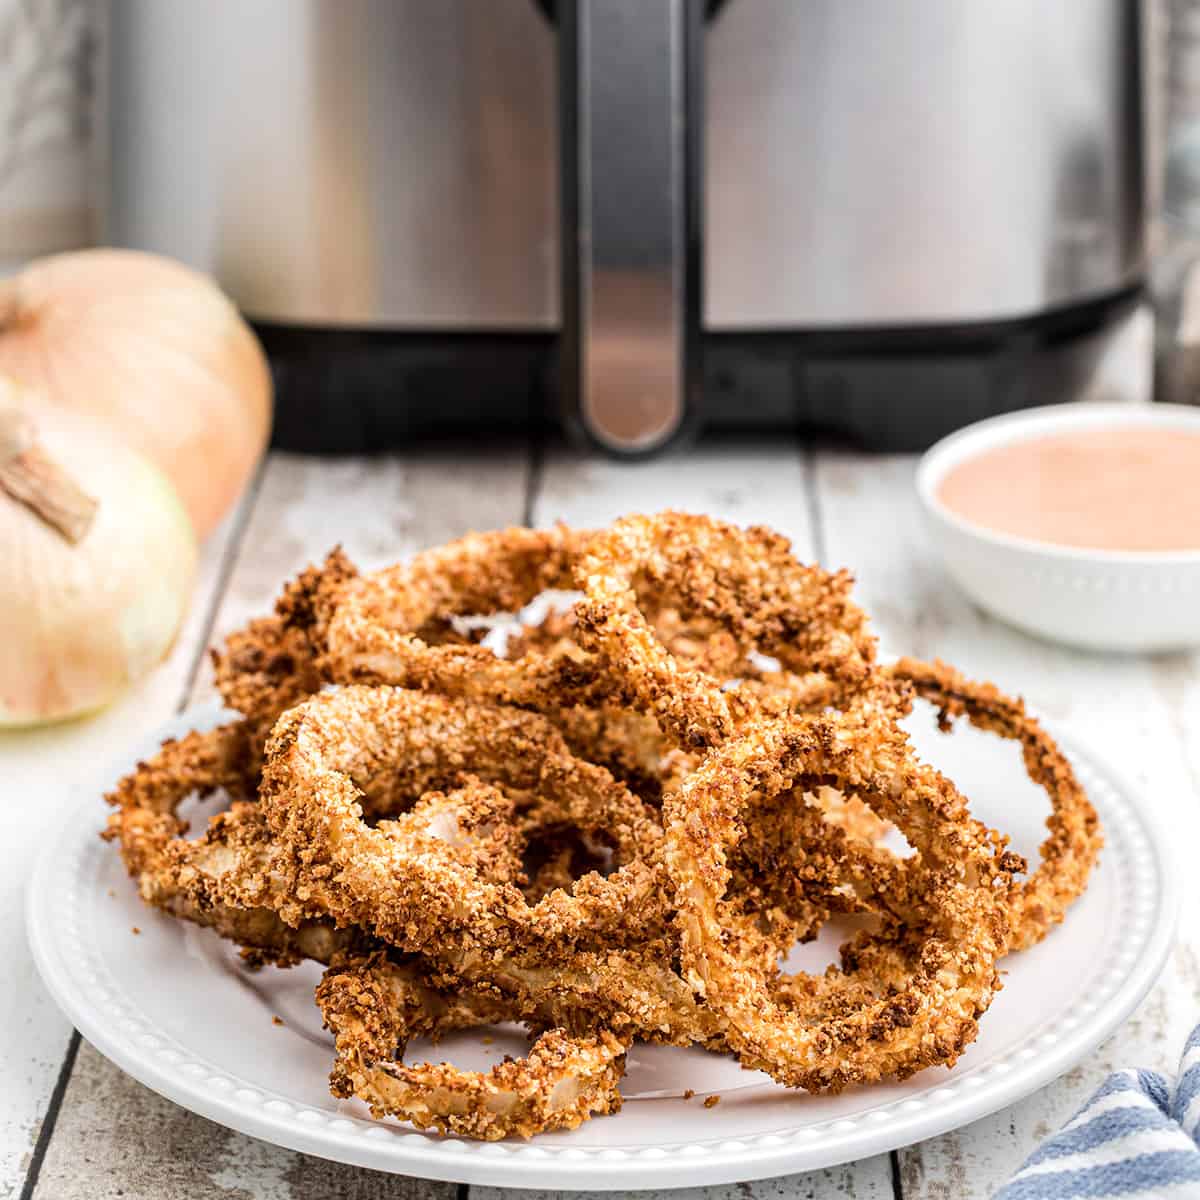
488 1040
136 929
276 1020
712 1101
687 1095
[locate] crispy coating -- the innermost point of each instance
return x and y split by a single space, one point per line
611 829
273 662
146 800
374 1007
376 633
939 968
746 580
229 879
412 895
1068 855
237 878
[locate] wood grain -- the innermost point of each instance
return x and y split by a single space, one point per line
745 482
379 509
44 769
855 1181
116 1138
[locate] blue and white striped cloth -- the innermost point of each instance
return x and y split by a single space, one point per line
1137 1137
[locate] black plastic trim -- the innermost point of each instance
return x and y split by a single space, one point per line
347 391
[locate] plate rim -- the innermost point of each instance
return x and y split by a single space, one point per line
712 1161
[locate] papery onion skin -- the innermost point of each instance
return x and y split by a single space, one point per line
81 622
157 352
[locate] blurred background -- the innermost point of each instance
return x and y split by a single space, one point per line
874 222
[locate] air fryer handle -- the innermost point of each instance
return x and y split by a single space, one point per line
631 136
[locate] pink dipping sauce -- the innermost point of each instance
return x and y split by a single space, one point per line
1101 489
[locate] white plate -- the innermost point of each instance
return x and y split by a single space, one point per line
174 1009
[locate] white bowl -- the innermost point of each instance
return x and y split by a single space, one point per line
1122 600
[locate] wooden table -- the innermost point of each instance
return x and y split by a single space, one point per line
72 1126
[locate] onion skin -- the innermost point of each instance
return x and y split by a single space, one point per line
81 622
157 352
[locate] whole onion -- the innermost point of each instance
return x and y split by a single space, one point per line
154 350
97 560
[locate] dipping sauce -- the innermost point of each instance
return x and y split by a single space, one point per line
1100 489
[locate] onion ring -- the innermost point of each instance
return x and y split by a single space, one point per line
594 946
611 829
1068 855
370 1008
150 835
319 750
230 880
938 982
747 580
376 632
237 879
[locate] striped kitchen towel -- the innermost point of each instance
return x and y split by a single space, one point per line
1138 1136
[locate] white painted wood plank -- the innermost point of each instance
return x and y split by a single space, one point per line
380 509
748 483
41 768
1142 714
745 482
129 1142
855 1182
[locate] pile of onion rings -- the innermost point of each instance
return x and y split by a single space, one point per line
609 822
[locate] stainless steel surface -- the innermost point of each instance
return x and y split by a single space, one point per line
393 162
920 160
629 243
1175 276
365 162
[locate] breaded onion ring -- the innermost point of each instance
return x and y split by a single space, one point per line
1068 855
631 858
150 835
320 759
379 630
748 581
236 878
939 974
373 1008
230 878
600 950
